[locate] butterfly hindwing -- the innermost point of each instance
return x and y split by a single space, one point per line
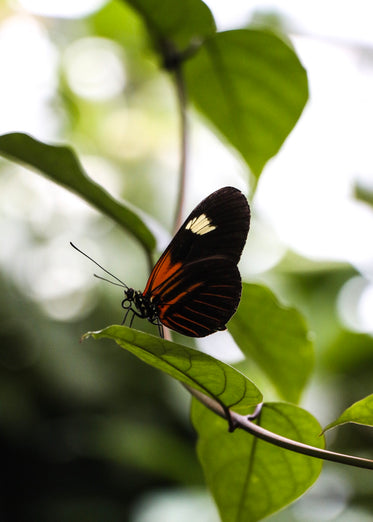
201 297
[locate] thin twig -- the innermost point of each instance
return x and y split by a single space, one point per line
245 423
182 102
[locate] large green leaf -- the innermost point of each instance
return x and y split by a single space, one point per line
60 164
250 478
177 23
252 87
361 412
221 382
276 338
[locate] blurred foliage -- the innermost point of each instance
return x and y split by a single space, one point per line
88 430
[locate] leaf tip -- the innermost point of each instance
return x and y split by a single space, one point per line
86 335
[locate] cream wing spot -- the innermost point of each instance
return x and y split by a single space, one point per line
200 225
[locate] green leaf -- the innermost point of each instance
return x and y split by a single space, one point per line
250 478
178 23
275 337
361 412
252 87
221 382
60 164
363 193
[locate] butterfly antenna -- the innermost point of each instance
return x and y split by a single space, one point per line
102 268
108 280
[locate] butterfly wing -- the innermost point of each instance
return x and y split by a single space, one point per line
199 262
218 226
201 297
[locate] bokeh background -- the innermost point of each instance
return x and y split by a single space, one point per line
87 432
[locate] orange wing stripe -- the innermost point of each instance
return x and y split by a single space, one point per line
163 269
200 313
171 323
190 321
181 294
164 307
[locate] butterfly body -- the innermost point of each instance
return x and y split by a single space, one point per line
134 301
195 286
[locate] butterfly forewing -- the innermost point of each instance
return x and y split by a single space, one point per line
195 284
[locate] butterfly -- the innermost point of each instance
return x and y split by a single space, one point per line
195 286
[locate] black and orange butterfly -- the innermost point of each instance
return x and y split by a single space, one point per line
195 286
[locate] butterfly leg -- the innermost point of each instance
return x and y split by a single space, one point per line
160 329
132 317
125 315
158 324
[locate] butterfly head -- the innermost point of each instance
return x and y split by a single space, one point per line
139 305
129 298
